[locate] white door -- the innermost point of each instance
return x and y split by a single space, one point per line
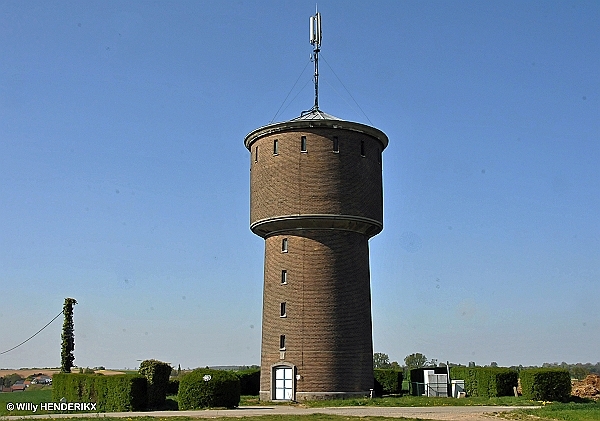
284 382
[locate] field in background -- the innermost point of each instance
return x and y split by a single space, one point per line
50 371
29 372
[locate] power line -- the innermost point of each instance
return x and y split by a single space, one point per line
295 96
330 68
286 97
32 336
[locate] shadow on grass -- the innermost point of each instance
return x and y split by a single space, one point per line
170 404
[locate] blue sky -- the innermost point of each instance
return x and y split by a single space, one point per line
124 181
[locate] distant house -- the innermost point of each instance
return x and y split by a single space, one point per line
42 379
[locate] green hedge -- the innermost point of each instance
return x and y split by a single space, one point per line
173 387
111 393
249 381
204 388
157 373
546 384
387 381
486 382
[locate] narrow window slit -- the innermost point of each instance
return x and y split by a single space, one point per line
282 342
283 310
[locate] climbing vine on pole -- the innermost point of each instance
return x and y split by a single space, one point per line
68 337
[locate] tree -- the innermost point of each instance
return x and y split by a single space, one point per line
68 337
579 372
11 379
381 360
416 360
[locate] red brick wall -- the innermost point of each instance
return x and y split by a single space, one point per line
318 181
328 306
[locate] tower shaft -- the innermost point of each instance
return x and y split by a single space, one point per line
327 325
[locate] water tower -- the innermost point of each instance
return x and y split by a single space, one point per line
316 198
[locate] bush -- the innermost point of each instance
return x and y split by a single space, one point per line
157 373
249 381
111 393
546 384
10 379
487 382
387 381
204 388
173 387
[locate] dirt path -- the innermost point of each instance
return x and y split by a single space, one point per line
447 413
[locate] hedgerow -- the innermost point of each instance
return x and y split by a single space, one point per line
117 393
157 373
249 381
486 382
546 384
387 381
206 388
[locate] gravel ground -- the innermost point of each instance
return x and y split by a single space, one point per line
448 413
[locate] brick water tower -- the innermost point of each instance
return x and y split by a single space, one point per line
316 198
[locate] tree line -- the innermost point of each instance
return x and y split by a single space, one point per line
417 360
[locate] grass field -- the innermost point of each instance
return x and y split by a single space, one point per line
45 395
584 411
589 411
424 401
33 396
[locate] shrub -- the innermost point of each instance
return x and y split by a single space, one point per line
157 373
173 387
387 381
249 381
486 382
111 393
204 388
10 379
546 384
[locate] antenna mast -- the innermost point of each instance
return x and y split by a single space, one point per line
315 40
